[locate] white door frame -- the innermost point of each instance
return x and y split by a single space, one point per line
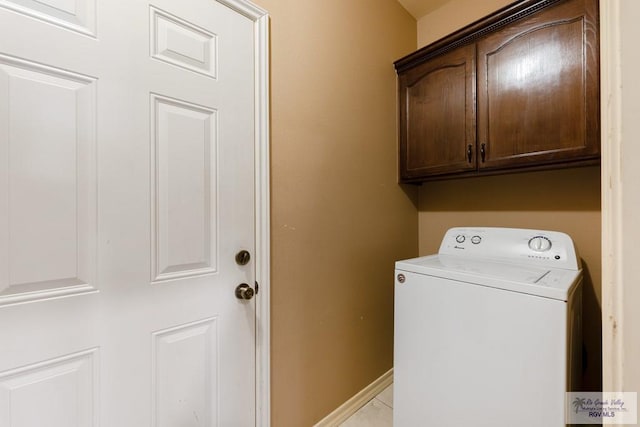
260 18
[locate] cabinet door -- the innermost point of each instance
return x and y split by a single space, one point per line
437 116
538 89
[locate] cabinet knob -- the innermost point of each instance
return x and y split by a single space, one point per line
483 152
469 153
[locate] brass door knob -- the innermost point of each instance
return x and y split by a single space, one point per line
244 291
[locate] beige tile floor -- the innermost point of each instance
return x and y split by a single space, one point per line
377 413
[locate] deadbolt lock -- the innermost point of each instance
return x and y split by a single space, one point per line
243 257
244 291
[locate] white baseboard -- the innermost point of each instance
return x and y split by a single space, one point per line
352 405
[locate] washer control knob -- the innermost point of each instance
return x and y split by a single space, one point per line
476 239
460 238
539 244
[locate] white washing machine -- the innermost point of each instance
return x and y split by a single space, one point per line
487 331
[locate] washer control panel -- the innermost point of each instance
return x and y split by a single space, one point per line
535 247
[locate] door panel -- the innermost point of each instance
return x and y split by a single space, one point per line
184 189
47 128
126 187
181 43
75 15
185 364
72 380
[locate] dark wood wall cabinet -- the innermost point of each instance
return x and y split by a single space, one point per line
517 90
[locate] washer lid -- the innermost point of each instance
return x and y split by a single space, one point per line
543 282
491 269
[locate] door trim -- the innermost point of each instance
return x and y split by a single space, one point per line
612 198
260 18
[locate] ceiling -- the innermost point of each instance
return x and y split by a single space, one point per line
419 8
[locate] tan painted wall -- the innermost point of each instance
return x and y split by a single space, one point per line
564 200
339 220
452 16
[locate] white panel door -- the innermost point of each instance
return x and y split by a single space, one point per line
126 190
